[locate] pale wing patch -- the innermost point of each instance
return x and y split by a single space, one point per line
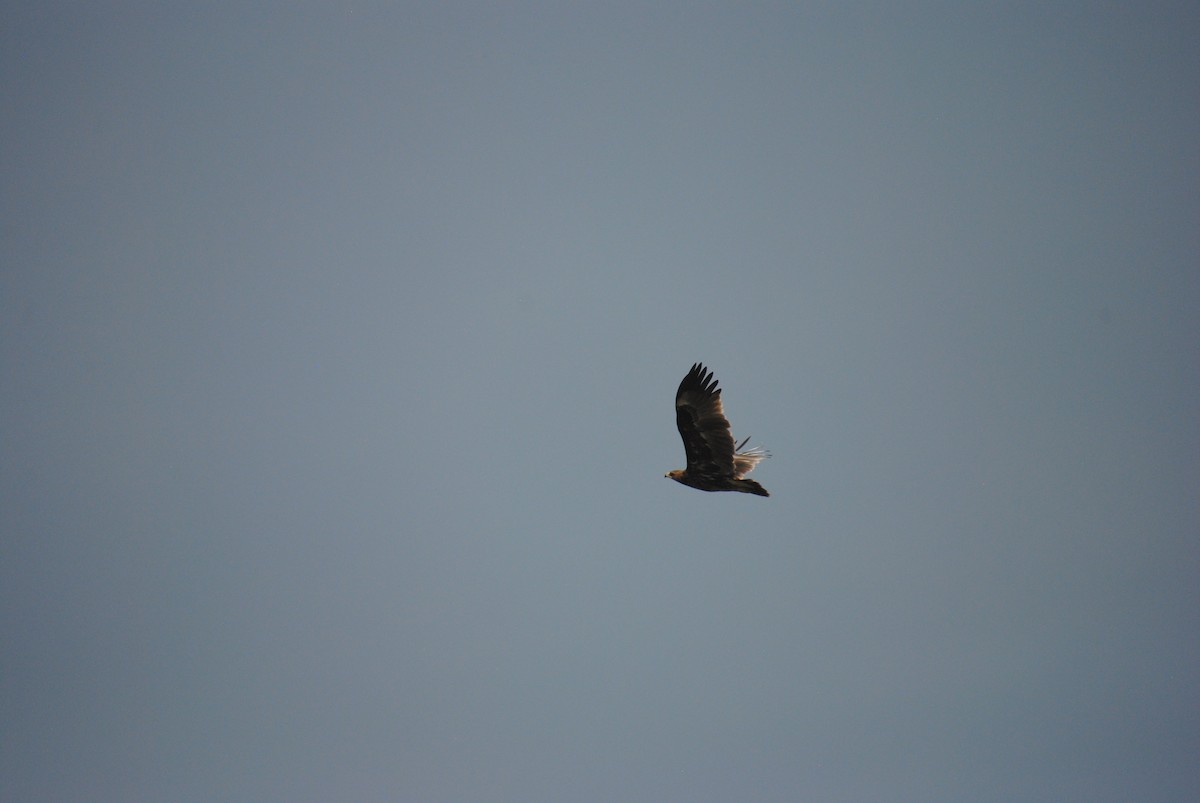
745 461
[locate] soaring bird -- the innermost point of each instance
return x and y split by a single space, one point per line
713 463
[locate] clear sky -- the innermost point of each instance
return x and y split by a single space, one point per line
339 346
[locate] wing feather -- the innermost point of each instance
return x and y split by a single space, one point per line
707 440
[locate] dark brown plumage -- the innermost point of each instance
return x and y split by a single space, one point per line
713 463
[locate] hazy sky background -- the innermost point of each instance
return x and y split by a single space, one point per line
339 347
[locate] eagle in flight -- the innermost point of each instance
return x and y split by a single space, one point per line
713 463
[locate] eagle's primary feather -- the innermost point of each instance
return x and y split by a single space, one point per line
713 463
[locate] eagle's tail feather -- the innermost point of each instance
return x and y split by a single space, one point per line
751 487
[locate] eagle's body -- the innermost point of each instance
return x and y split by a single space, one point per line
713 464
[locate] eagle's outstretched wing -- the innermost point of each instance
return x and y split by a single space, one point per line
707 440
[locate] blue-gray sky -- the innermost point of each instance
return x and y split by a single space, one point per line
339 346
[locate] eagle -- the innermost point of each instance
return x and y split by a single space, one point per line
713 462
